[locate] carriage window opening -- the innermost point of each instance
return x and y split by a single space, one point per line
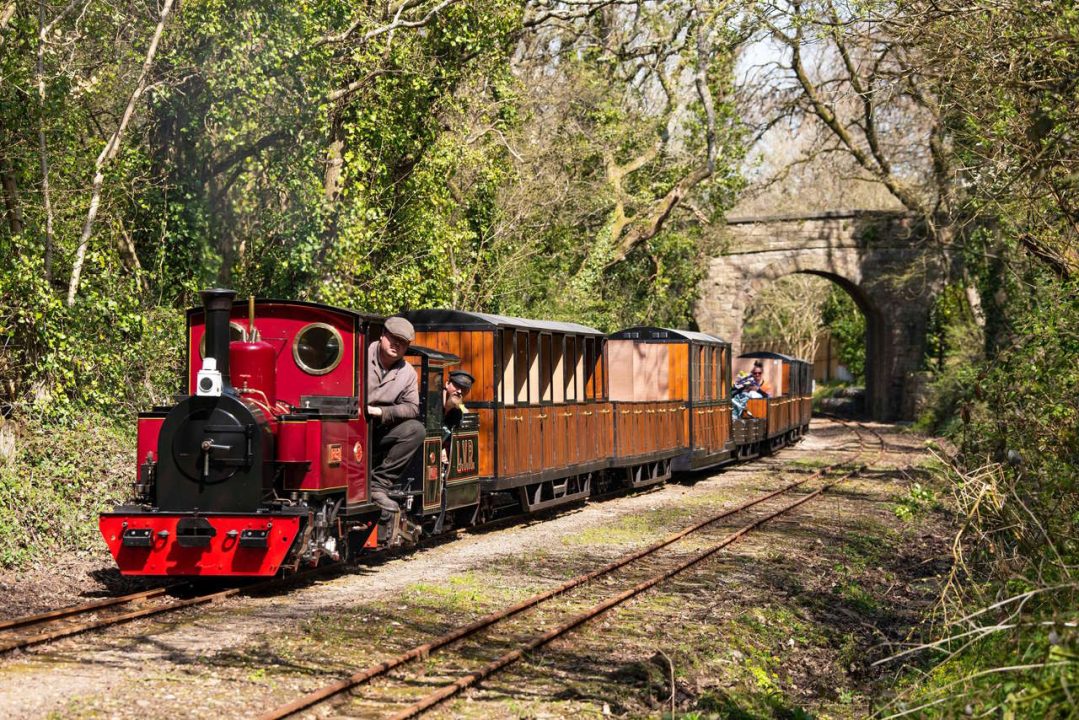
520 367
237 333
545 368
702 372
508 392
713 375
693 391
601 372
558 369
318 348
706 373
533 368
580 375
709 391
589 368
719 373
571 369
724 378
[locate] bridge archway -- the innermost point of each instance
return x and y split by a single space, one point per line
880 259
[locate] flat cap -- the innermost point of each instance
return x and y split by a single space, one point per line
400 327
462 379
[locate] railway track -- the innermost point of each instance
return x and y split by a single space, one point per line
31 630
474 652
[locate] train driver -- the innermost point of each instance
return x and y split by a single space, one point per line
453 405
393 404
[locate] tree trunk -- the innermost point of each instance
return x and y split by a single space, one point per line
46 195
11 197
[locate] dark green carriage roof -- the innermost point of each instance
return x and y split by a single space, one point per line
442 319
774 356
661 334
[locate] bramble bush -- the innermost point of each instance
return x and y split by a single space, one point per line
1005 639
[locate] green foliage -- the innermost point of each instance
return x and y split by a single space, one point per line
60 479
1014 480
846 323
309 151
918 499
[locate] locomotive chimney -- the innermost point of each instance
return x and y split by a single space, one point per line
218 304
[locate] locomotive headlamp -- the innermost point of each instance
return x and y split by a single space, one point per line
209 380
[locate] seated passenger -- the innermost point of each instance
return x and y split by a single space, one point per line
393 404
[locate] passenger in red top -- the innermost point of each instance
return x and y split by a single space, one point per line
761 386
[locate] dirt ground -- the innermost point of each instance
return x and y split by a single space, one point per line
787 623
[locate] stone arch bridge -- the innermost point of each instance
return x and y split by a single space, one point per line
882 259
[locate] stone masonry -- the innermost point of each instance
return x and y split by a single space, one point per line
882 259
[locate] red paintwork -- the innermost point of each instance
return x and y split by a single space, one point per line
224 556
292 441
252 370
336 449
325 454
148 430
278 324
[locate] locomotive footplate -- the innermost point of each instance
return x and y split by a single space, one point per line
151 543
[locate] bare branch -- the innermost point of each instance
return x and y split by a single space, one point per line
391 27
43 154
112 147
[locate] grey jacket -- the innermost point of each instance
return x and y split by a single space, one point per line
396 392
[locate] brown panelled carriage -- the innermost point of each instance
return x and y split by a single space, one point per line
541 397
671 390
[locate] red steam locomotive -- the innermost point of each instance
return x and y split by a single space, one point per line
262 466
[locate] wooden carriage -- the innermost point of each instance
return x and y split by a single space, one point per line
541 398
671 390
787 411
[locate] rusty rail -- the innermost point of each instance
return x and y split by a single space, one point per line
448 691
422 651
54 616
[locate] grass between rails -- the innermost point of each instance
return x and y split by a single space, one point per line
785 628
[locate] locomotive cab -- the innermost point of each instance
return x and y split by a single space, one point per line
442 481
263 465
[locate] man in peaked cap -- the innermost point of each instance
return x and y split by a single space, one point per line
453 405
393 404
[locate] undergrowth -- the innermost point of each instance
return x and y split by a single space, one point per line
1004 642
57 481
